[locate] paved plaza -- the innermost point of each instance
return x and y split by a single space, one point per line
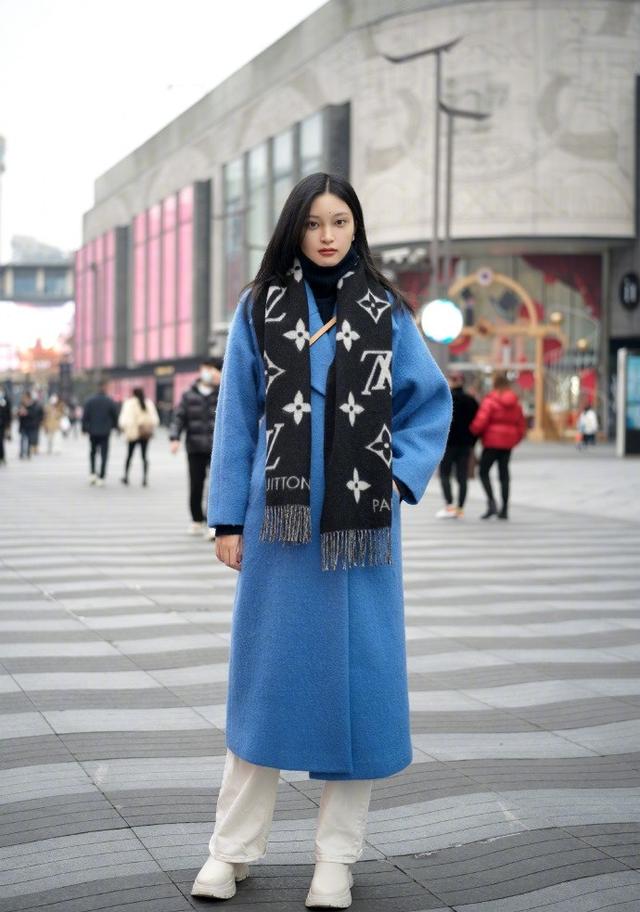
524 658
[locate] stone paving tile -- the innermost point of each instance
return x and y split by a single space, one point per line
31 821
136 893
500 868
126 744
618 892
523 647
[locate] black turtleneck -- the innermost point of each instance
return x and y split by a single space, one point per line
324 280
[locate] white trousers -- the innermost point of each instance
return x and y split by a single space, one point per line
246 802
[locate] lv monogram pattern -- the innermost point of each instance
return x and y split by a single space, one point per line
356 512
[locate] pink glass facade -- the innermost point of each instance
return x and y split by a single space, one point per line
163 279
95 310
160 310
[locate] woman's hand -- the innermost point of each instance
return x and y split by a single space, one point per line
229 550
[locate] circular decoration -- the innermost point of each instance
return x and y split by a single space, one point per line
441 321
484 276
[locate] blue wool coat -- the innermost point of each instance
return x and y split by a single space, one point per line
317 667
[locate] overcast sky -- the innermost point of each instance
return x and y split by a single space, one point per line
83 82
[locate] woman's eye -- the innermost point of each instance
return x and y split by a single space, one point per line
312 224
341 222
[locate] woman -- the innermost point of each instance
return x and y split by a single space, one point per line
138 420
53 413
501 423
305 499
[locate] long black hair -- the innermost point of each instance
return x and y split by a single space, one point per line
138 392
287 235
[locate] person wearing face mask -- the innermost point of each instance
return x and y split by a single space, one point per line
195 416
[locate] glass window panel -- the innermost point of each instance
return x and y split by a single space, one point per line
55 283
140 228
168 292
87 332
169 210
234 260
138 346
139 287
257 217
153 345
185 204
109 312
24 282
111 244
283 171
168 341
153 221
153 293
311 144
79 309
234 228
233 182
185 338
185 271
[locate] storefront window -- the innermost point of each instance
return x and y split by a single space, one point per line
234 241
311 151
258 214
283 171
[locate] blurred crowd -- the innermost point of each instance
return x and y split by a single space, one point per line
496 420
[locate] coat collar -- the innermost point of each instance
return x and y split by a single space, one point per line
324 349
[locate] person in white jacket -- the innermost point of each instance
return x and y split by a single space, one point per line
138 420
587 427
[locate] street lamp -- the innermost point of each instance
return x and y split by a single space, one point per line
437 51
451 114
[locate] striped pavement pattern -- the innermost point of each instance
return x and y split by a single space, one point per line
523 644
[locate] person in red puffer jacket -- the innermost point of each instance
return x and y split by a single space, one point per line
501 424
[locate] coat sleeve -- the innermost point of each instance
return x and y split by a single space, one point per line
179 419
422 409
153 413
235 434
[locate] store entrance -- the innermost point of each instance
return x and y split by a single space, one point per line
164 399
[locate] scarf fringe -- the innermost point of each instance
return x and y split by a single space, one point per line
356 548
287 522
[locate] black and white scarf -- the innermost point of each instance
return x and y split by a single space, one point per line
355 526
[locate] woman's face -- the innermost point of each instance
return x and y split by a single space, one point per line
329 230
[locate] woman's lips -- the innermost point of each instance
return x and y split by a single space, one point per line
327 252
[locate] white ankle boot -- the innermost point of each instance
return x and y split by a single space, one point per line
217 879
330 886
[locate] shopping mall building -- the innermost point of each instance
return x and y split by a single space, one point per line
544 190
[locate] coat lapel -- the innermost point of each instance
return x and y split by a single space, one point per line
323 350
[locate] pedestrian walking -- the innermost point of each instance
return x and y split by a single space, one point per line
28 416
53 414
36 424
195 417
311 456
458 452
587 427
99 418
5 423
138 420
501 424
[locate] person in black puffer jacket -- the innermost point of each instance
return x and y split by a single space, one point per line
459 446
195 415
99 418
